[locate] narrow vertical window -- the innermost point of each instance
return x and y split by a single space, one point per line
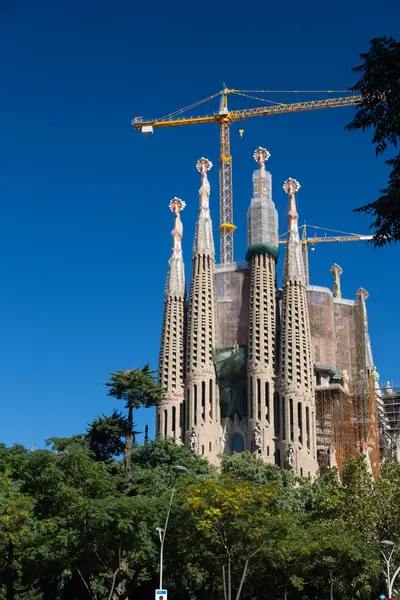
209 446
291 419
300 421
203 401
308 426
195 404
211 399
313 432
284 419
259 399
181 420
277 415
187 410
202 450
158 423
174 420
267 401
251 398
278 457
165 423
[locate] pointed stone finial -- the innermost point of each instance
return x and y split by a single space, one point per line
336 271
176 206
203 239
362 294
175 284
261 155
204 165
291 186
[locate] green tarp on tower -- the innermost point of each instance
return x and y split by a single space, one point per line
231 369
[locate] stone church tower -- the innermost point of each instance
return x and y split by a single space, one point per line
170 413
298 432
201 391
266 370
262 232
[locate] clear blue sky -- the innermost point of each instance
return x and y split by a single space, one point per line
84 219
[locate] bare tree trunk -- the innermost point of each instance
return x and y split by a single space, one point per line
285 592
331 586
229 579
128 446
224 582
246 565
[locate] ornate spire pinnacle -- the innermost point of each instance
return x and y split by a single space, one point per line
362 294
175 285
294 267
176 206
336 272
203 241
291 187
261 155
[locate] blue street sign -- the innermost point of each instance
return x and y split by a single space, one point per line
382 597
161 595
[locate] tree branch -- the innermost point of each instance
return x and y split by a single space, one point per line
93 597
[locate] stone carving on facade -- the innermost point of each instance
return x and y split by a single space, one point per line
257 435
332 462
336 272
398 450
289 458
366 451
345 381
192 440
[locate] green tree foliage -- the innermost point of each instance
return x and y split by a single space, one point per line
379 110
71 528
137 388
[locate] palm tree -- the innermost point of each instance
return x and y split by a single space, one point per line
137 387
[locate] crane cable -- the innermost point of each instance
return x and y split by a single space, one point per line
260 99
180 111
293 91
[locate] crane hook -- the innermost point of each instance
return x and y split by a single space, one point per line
241 131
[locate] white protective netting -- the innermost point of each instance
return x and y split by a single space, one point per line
262 216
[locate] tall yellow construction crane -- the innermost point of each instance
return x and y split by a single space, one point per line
224 118
315 239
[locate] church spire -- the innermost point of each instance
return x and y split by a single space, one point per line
202 419
296 368
262 216
203 239
171 362
175 285
293 267
262 223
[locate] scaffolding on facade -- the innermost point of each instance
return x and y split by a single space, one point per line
391 432
232 309
347 424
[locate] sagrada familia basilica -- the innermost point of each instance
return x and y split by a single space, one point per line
283 372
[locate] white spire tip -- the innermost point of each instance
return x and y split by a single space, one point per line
176 205
291 186
261 155
203 165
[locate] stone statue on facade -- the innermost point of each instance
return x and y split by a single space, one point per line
257 435
289 459
345 380
365 451
192 440
332 462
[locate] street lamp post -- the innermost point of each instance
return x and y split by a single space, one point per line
178 470
388 560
